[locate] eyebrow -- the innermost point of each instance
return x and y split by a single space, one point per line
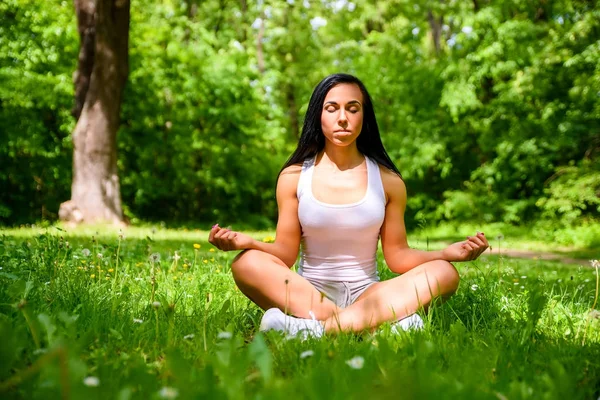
352 102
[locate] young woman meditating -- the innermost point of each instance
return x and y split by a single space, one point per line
337 195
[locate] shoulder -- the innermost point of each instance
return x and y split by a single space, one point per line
287 182
393 185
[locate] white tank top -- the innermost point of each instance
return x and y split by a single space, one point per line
339 241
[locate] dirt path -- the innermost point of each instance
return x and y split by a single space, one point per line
541 255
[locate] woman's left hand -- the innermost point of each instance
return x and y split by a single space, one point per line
467 250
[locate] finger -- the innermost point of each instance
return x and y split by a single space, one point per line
477 240
213 230
471 250
227 240
482 236
222 232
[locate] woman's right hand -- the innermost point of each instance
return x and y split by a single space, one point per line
226 240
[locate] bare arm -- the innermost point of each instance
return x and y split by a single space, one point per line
396 251
288 233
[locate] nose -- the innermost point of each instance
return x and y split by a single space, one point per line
342 120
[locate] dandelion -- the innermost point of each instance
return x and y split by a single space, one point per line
156 304
516 283
523 277
307 353
137 321
111 270
92 276
595 263
205 261
189 337
269 239
86 252
212 250
99 255
356 362
185 266
176 256
474 287
224 335
500 237
197 246
155 257
91 381
522 287
168 392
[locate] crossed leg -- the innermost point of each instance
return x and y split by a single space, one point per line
268 282
397 298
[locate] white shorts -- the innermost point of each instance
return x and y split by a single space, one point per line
343 294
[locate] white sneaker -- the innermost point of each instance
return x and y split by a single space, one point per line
275 319
412 322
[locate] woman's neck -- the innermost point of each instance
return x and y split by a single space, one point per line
342 158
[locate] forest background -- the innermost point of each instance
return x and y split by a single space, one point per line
490 109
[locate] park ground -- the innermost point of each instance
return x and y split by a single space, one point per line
154 313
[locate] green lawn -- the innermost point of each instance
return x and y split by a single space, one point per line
96 316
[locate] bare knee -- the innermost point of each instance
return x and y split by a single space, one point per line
448 277
244 265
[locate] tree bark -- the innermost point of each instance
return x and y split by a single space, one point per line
86 25
436 30
95 190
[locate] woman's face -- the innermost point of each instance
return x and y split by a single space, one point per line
342 114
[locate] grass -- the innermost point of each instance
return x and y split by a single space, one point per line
137 323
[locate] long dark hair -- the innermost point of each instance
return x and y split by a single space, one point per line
312 140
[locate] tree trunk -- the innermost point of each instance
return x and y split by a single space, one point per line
436 30
95 190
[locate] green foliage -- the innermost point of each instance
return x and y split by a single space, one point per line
38 53
499 123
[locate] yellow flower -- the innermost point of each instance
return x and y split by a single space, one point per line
196 246
185 265
174 278
108 278
190 279
111 270
212 259
212 250
205 261
269 239
92 276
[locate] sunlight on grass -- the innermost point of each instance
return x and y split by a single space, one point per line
149 313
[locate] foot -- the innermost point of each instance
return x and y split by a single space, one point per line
412 322
275 319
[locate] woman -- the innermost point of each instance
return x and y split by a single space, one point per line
337 195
